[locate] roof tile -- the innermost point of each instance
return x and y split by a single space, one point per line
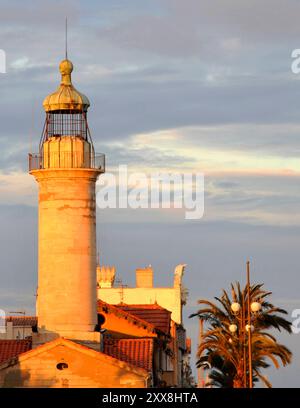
153 314
108 308
22 321
12 348
138 352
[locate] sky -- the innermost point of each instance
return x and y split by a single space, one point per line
175 86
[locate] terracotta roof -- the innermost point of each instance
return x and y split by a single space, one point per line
22 321
97 355
153 314
107 308
138 352
12 348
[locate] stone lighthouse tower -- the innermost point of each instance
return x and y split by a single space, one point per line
66 169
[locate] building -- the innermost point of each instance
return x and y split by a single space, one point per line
126 327
147 302
171 298
66 169
78 337
18 327
64 348
141 335
62 363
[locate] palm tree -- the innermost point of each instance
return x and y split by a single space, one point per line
224 344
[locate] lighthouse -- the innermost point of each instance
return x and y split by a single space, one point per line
66 169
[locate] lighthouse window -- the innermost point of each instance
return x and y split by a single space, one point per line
66 124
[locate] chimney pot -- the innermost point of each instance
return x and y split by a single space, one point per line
144 277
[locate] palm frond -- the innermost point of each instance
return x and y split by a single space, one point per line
223 352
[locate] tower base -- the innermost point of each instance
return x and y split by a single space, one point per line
88 339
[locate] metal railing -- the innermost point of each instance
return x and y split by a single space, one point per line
66 160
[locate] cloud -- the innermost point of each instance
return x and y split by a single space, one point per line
173 85
189 29
17 188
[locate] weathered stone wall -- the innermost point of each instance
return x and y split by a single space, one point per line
169 298
67 249
83 371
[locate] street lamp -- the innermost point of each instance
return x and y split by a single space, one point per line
233 328
255 307
249 327
235 307
245 325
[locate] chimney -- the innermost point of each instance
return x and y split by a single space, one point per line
144 277
106 276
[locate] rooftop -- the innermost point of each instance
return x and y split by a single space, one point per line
137 352
20 321
12 348
66 97
154 314
116 310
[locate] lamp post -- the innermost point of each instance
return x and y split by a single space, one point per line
239 312
249 328
245 318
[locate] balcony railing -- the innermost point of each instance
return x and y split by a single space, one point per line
67 160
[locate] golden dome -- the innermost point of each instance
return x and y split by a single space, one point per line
66 97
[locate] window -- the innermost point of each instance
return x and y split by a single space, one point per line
62 366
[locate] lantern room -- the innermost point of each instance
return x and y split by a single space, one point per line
66 141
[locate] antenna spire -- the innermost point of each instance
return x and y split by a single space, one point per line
66 39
